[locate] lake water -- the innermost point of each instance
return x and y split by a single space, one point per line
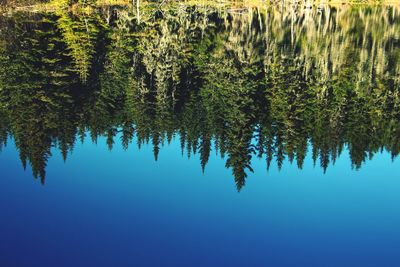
200 136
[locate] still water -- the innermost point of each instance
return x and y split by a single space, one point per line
200 136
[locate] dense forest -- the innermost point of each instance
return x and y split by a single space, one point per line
272 82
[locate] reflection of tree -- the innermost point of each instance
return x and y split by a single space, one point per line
268 83
4 129
37 91
81 34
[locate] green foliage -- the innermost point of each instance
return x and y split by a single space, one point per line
246 84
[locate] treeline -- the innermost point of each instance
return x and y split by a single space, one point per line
245 83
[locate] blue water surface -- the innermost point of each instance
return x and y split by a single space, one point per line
122 208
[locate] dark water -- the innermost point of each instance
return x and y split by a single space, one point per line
199 136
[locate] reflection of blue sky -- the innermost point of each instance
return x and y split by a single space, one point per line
105 208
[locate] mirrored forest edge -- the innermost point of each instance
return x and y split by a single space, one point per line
274 83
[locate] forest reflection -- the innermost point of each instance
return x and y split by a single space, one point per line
246 82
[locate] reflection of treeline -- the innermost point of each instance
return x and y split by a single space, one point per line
244 83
